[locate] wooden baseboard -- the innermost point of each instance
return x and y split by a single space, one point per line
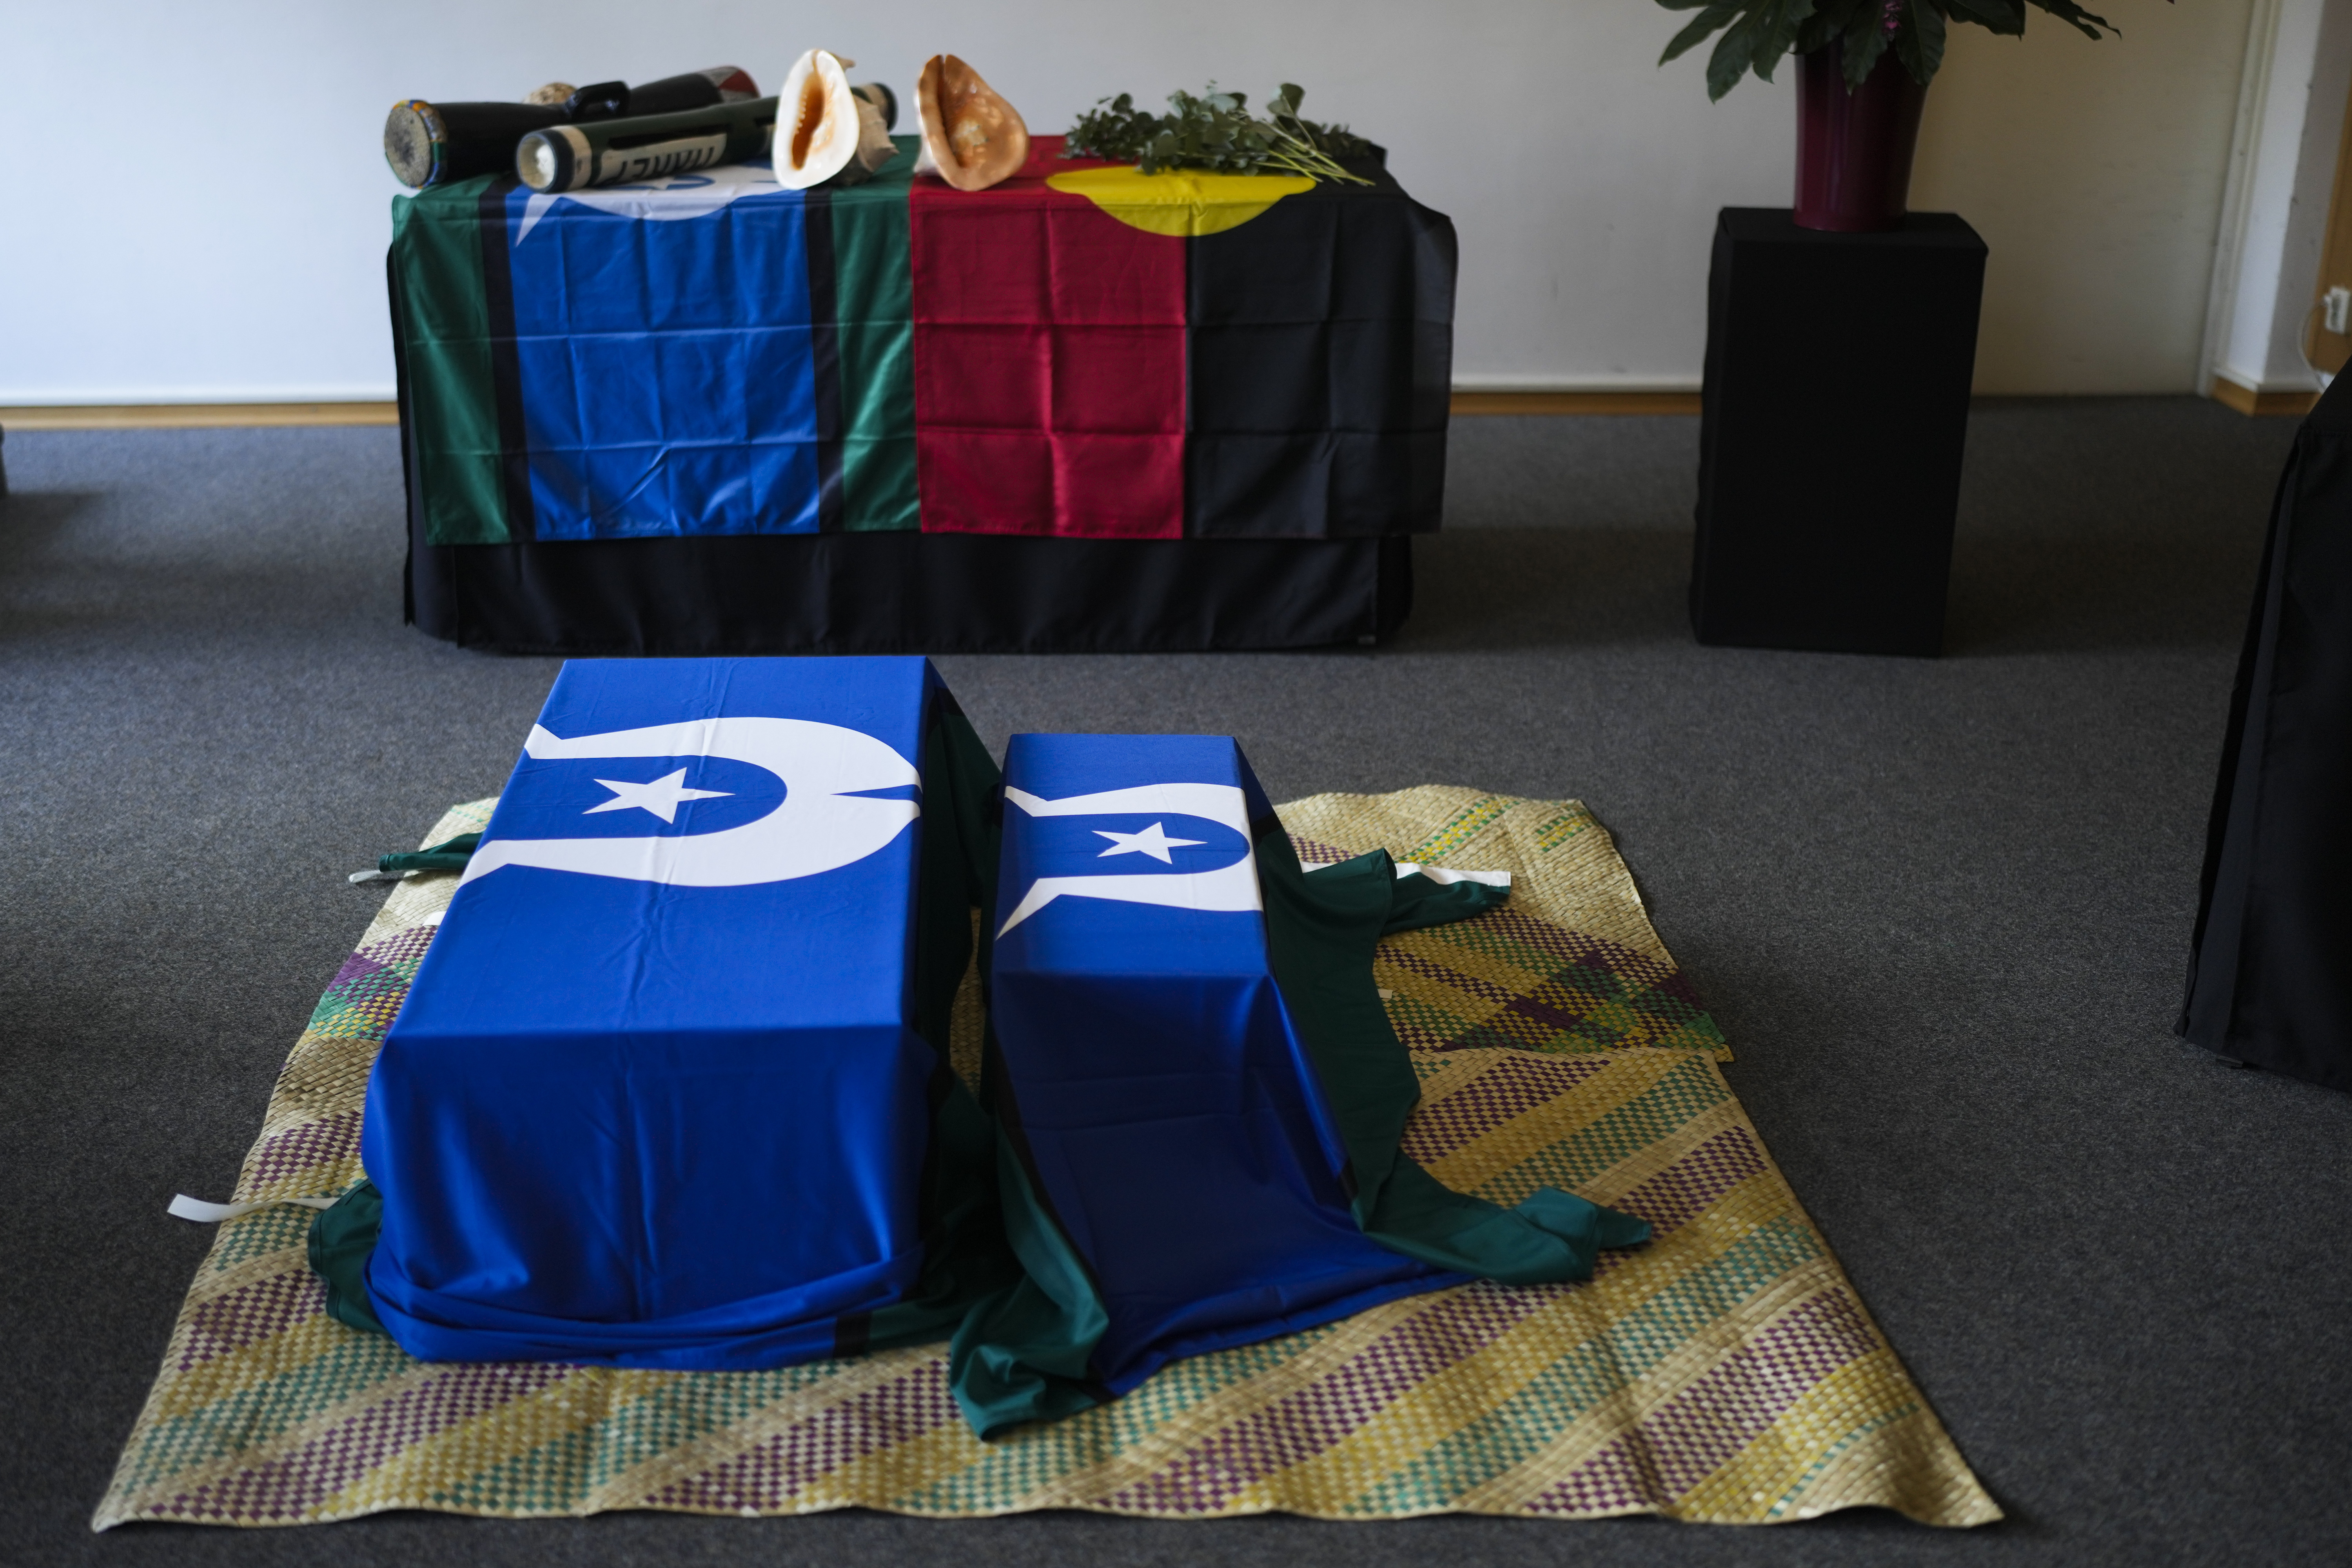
195 415
2246 400
1575 402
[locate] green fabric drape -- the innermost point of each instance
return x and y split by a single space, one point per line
340 1239
453 855
1025 1353
1321 928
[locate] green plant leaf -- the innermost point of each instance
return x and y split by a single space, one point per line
1865 42
1786 18
1761 31
1921 42
2005 16
2075 16
1827 22
1734 53
1706 22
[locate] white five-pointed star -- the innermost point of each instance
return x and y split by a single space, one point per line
1152 841
660 797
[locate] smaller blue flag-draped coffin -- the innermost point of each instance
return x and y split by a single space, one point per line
655 1098
1159 1099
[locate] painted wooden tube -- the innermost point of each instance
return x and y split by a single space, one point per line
670 95
645 147
440 143
431 143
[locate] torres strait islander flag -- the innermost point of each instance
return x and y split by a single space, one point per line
1083 351
670 1087
1198 1095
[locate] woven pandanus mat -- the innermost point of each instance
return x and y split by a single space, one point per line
1724 1373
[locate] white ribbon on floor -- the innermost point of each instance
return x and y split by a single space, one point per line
185 1207
1436 873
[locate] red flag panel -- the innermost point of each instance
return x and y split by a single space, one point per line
1049 362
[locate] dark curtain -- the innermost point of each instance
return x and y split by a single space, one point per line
2270 977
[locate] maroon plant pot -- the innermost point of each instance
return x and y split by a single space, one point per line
1853 149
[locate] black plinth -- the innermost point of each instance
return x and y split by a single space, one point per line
1837 406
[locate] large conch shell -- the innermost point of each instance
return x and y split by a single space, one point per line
825 129
971 137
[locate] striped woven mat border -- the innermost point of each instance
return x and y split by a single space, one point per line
1727 1372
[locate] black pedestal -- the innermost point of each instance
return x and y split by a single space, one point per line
1837 406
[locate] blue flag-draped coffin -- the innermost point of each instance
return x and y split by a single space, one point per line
1161 1108
657 1097
670 1087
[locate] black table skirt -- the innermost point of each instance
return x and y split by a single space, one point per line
907 593
2270 976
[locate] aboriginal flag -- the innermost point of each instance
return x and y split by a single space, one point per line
1082 351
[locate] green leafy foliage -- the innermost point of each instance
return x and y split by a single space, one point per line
1215 130
1758 33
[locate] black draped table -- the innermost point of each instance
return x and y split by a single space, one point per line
1087 409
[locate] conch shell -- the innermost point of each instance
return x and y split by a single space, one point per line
972 138
825 129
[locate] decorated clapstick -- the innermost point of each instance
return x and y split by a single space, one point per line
847 131
437 143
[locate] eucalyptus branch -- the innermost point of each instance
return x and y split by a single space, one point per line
1215 130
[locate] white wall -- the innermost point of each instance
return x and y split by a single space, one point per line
2274 217
2095 172
195 206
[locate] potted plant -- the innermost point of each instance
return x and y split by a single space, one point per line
1862 69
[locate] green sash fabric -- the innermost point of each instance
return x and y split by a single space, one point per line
452 855
340 1239
1321 928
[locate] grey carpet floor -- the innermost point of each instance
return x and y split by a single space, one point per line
1941 908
